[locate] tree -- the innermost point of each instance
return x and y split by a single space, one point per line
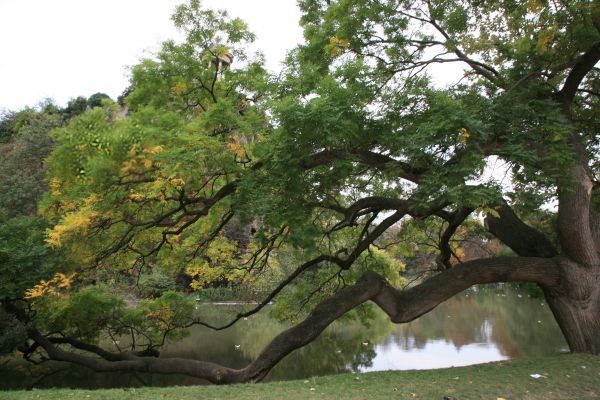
351 140
22 170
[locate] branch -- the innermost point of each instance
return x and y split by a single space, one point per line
454 221
367 157
574 204
516 234
480 68
585 64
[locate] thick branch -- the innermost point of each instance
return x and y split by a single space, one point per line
578 73
405 306
520 237
574 196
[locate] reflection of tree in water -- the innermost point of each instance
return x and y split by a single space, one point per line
500 317
343 347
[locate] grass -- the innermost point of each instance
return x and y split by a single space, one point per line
569 376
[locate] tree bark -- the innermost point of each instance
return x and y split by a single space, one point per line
575 303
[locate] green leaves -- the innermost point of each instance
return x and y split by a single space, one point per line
24 257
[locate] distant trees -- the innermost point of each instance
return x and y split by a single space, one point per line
22 155
25 143
79 105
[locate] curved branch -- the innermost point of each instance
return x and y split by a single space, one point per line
401 306
584 65
454 221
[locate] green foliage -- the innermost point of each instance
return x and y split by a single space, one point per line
92 312
82 314
13 333
154 284
315 286
212 294
160 318
7 122
22 168
25 259
98 99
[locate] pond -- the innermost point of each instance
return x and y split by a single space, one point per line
480 325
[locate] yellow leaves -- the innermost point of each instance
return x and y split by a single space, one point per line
91 200
146 162
63 281
543 43
217 264
337 46
179 88
202 274
136 196
142 158
546 38
77 221
464 136
55 186
133 151
236 148
535 5
459 253
128 165
178 182
51 286
163 315
153 150
53 236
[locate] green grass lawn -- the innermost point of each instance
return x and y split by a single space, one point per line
563 377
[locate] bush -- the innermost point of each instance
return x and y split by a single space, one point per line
154 284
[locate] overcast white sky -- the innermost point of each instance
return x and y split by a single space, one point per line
61 49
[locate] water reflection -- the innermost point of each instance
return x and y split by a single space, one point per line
436 354
477 326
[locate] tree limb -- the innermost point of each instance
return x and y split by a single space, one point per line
578 73
516 234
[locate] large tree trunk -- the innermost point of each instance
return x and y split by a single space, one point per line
575 302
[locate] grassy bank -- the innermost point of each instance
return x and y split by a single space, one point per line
563 377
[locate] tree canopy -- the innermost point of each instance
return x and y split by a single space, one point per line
336 164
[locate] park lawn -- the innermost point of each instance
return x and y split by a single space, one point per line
568 376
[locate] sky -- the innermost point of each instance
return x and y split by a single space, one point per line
61 49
